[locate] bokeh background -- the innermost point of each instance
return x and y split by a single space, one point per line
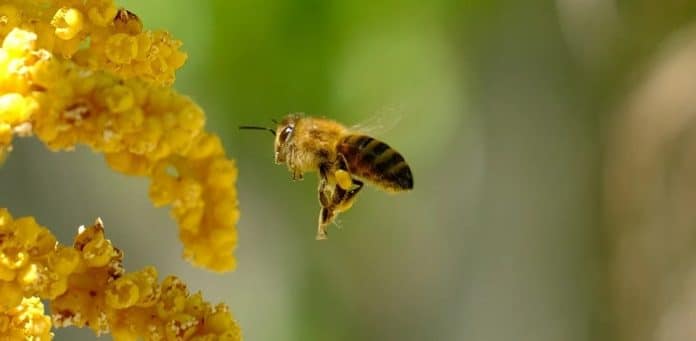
551 143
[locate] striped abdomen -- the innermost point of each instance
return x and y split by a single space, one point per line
375 161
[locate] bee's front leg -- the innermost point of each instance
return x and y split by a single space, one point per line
296 174
325 200
326 216
323 189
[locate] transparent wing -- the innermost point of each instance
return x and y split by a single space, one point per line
380 122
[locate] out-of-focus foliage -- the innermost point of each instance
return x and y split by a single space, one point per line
511 116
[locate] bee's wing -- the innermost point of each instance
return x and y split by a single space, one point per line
381 122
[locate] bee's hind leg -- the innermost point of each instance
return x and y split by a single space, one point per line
326 216
332 203
335 197
327 197
349 197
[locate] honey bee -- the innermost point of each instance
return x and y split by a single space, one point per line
344 159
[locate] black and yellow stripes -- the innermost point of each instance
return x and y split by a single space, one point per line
375 161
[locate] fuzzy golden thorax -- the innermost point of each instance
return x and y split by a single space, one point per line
303 143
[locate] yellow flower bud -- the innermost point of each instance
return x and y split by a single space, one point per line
144 41
68 23
206 145
27 230
128 163
44 244
222 173
19 42
5 135
220 320
64 260
12 258
97 253
56 288
67 48
102 16
181 327
119 98
191 219
122 293
121 48
10 295
7 274
29 275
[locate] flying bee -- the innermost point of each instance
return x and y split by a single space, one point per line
344 158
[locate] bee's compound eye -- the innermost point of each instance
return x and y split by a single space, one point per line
286 133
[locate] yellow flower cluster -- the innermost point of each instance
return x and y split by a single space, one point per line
96 35
141 127
87 286
26 321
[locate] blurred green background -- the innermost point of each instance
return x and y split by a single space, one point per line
507 112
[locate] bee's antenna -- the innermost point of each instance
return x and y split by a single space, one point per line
274 121
258 128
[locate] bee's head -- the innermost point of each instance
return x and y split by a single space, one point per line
283 133
284 136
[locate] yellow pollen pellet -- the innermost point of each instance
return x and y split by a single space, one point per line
343 178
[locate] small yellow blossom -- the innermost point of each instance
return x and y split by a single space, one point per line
121 48
87 286
68 23
25 321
